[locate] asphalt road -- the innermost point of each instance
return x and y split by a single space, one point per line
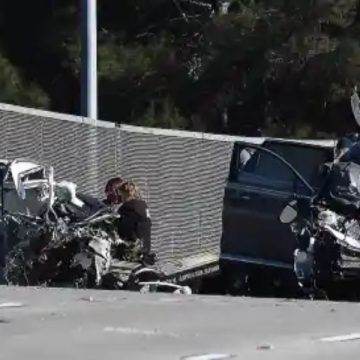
71 324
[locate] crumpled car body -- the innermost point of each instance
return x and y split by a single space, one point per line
257 250
62 238
27 187
43 219
331 255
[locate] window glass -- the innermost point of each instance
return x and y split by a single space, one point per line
263 169
305 159
267 166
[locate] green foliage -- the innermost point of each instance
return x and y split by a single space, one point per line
281 67
164 115
13 89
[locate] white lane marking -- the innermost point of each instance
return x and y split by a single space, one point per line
349 337
133 331
11 305
208 357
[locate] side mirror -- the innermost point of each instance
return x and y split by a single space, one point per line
289 213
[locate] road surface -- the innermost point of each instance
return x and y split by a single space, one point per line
71 324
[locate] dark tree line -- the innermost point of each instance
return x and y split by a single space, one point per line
276 67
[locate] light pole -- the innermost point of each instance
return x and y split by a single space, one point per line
89 96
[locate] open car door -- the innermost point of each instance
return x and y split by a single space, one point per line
256 193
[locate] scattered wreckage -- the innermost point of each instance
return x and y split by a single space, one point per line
54 236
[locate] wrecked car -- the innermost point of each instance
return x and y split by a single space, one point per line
26 188
315 188
291 220
55 236
257 250
327 229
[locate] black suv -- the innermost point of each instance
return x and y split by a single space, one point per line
256 248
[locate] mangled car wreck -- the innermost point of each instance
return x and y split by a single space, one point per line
327 227
54 236
292 217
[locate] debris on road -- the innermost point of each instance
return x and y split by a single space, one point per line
88 299
265 347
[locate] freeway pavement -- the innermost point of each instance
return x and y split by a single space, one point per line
66 324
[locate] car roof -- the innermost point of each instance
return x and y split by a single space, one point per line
328 144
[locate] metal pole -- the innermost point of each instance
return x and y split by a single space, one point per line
89 101
3 225
89 96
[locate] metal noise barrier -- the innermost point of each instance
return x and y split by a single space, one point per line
181 174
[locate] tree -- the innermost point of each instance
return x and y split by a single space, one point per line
13 88
37 38
276 67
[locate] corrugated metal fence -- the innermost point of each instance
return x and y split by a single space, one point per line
182 175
